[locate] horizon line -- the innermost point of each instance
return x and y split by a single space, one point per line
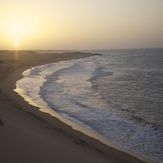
82 49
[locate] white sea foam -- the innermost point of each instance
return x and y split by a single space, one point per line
69 87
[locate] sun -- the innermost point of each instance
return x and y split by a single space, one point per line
18 30
16 43
21 26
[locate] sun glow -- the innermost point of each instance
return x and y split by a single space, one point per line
18 30
82 24
16 43
18 25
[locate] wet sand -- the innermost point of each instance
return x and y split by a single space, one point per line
30 136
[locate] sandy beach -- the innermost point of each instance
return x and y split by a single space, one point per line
30 136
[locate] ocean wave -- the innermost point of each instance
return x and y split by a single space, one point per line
80 91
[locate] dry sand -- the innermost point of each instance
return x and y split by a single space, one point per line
30 136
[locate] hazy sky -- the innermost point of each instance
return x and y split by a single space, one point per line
81 24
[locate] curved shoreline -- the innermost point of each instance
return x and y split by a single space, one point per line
75 126
8 84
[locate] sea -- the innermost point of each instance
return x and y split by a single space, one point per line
118 94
